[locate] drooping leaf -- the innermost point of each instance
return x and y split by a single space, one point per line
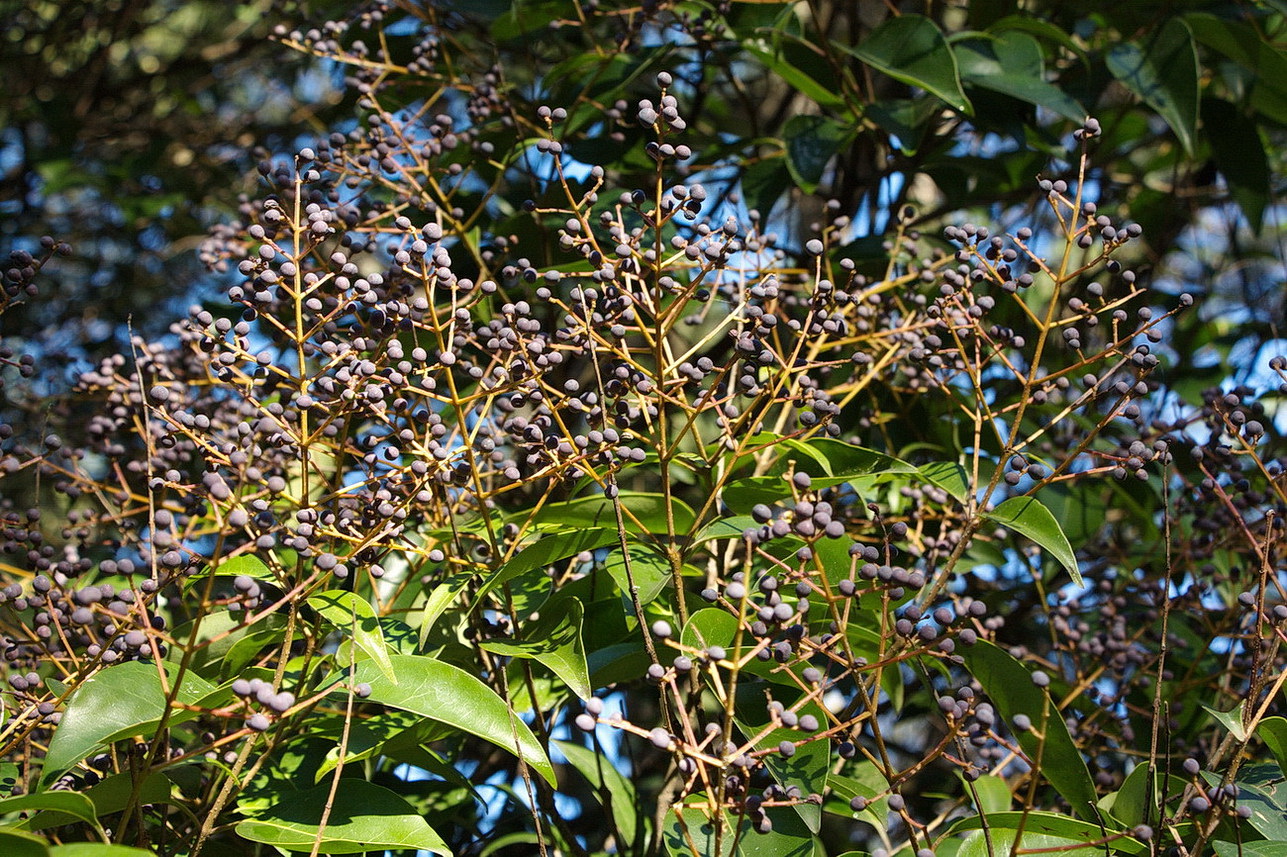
1162 69
1240 156
70 805
555 641
811 143
1012 63
117 702
363 817
1010 687
1265 63
1273 731
452 696
351 614
1029 518
799 80
911 48
612 788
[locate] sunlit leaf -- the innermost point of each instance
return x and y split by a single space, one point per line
1029 518
450 695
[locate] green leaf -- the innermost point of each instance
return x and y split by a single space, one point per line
555 641
865 781
247 563
1010 686
1273 731
806 769
1268 815
1240 156
17 843
71 805
450 695
115 703
1012 63
1242 43
1231 720
650 570
97 849
798 79
690 822
710 626
352 614
948 475
1028 517
993 794
1058 831
642 511
811 143
911 48
1162 70
112 795
1259 848
363 817
763 182
614 790
553 547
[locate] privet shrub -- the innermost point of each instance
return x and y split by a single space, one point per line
617 525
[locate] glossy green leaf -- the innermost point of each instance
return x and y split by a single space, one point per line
864 780
1012 63
948 475
552 547
1257 848
1029 518
614 790
70 805
1060 831
710 626
911 48
1010 687
811 143
18 843
642 511
116 702
1240 156
363 817
807 768
114 794
1273 731
351 614
1268 809
648 568
555 641
690 830
97 849
1231 720
1162 69
450 695
247 563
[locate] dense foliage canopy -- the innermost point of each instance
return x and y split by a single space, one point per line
765 428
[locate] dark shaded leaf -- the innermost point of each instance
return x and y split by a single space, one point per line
1162 69
911 48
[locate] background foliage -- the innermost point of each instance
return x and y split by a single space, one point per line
762 428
